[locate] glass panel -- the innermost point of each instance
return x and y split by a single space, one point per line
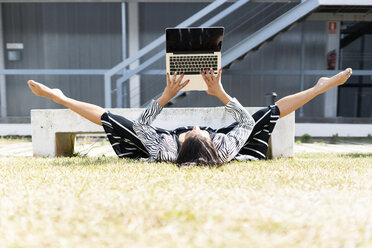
356 101
350 57
348 98
367 56
366 102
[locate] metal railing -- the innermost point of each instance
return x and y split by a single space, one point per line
258 38
161 40
273 28
102 72
300 73
234 54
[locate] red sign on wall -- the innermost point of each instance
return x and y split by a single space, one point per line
332 27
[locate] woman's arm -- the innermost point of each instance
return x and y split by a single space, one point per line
142 126
215 87
153 110
230 144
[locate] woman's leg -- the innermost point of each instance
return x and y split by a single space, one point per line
290 103
86 110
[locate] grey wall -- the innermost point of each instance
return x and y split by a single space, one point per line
61 36
66 35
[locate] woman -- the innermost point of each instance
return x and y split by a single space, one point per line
246 138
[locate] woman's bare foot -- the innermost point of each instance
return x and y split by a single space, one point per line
41 90
325 83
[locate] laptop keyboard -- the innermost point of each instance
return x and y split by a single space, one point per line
191 65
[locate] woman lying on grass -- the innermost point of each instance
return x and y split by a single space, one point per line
246 138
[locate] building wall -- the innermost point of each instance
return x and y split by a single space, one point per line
61 36
77 36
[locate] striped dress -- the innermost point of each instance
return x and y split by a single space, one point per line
245 139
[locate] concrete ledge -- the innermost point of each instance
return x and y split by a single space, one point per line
54 130
15 129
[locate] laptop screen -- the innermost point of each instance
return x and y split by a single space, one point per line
194 40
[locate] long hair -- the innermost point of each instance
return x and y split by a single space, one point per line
198 150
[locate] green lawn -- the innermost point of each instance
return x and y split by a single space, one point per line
313 200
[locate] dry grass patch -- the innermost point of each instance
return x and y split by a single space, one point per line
317 200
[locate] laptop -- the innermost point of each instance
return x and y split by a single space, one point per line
191 50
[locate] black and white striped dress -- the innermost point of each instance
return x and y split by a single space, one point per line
245 139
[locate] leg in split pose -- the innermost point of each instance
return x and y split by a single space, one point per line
290 103
193 145
89 111
257 142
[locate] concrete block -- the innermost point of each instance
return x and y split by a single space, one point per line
54 130
282 138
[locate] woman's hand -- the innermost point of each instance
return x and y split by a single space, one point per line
215 87
174 85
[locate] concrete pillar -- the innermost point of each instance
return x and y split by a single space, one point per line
133 45
3 109
333 44
302 64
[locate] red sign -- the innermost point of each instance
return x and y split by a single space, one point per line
332 27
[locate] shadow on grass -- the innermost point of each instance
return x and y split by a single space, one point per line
84 161
15 138
356 155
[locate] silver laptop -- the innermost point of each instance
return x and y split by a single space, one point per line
191 50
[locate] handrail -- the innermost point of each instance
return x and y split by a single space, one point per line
356 72
307 72
203 12
161 39
52 72
260 36
100 72
160 54
265 73
277 25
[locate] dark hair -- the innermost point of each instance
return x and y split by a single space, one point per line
198 150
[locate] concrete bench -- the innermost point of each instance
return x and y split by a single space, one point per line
54 130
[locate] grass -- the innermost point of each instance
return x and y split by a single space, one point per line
313 200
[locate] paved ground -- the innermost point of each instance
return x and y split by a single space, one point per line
97 146
89 146
342 147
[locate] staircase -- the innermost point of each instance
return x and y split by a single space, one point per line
266 30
